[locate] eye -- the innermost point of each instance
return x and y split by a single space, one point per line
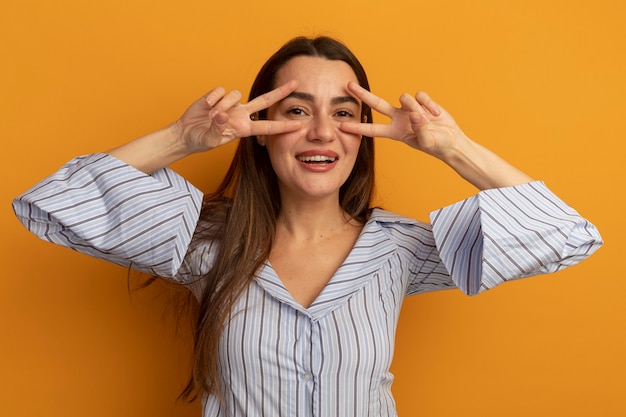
344 113
296 111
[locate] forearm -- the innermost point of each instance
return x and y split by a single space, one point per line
153 151
483 168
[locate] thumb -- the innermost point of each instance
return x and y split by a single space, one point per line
418 120
220 119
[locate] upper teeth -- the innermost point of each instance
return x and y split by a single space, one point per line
316 158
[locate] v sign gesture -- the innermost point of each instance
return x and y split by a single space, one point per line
215 119
424 125
419 122
219 117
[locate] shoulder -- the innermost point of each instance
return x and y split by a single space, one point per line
400 229
384 217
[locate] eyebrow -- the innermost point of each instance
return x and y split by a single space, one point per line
334 100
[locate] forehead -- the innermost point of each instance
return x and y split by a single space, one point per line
315 72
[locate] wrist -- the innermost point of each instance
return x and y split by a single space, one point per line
173 141
153 151
458 152
481 167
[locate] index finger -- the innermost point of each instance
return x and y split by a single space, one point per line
371 100
274 127
266 100
372 130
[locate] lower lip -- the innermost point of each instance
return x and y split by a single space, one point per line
318 167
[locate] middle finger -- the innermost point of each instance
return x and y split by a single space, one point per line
371 100
266 100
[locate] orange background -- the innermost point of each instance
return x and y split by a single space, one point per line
540 82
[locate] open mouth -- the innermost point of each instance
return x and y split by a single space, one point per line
317 159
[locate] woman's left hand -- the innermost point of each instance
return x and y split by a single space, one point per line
420 122
425 125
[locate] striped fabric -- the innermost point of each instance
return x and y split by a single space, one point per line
104 208
331 359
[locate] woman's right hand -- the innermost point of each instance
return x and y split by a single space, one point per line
219 117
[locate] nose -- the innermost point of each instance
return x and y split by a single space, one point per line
322 129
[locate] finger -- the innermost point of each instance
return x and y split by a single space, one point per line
366 129
371 100
229 100
417 114
219 118
214 96
418 120
266 100
409 103
430 104
272 127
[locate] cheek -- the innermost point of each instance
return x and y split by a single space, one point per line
353 145
354 150
278 149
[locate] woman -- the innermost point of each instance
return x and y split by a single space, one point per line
299 280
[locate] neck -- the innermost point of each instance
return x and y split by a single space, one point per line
311 220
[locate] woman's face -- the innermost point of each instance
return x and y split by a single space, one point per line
314 161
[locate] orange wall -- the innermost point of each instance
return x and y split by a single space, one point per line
541 82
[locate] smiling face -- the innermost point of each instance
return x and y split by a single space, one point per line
314 161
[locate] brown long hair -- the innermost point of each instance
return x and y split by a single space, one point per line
241 215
